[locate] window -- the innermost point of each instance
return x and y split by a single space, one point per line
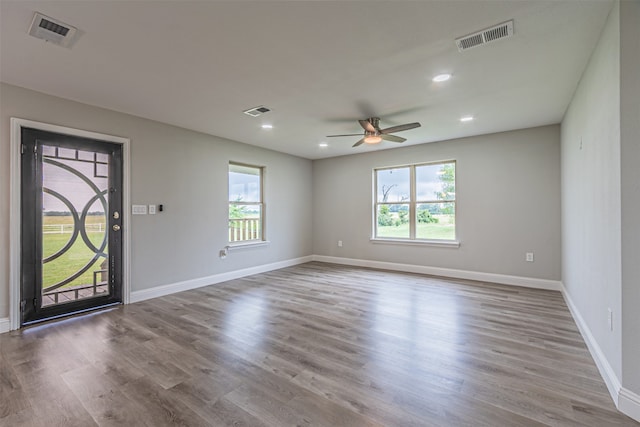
416 202
246 206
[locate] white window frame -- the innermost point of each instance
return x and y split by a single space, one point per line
261 238
413 203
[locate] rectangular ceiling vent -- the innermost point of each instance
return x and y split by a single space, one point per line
255 112
488 35
52 30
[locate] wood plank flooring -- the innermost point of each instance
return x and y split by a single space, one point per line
311 345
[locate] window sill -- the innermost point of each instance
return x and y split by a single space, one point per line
436 243
247 245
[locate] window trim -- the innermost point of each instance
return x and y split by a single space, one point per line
247 244
262 240
413 203
416 242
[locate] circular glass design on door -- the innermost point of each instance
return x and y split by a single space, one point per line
74 225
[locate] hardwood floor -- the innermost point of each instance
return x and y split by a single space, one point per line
315 344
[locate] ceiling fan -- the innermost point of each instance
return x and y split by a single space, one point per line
373 134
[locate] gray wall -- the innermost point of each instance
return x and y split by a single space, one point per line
591 227
187 172
601 197
630 191
508 203
601 194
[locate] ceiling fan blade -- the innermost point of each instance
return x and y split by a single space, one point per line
348 134
393 138
358 143
400 128
367 126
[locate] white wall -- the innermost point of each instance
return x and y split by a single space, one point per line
591 227
185 171
508 203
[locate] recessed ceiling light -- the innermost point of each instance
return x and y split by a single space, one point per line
466 118
267 126
441 78
323 145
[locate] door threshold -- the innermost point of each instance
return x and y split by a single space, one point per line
73 314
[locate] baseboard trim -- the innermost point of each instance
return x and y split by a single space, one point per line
625 400
629 404
186 285
606 371
503 279
5 325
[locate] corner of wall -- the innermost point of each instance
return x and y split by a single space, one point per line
629 404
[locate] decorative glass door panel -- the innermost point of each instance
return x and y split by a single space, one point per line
71 224
74 236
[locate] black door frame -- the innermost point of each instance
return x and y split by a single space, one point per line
17 125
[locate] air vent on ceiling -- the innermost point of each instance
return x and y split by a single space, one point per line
488 35
255 112
52 30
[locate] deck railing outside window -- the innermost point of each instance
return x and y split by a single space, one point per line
244 229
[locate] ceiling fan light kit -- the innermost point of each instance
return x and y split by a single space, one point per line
373 139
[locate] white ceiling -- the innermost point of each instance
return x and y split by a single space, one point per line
319 65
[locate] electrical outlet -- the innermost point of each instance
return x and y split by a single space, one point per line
339 243
610 318
529 257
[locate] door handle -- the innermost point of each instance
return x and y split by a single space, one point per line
116 227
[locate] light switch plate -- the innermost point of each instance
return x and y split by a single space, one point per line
139 209
152 209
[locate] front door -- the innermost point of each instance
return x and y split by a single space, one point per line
71 219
